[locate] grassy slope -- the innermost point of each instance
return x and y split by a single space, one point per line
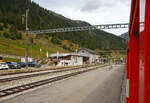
17 47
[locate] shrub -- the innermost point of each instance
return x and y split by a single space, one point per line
39 36
66 48
1 34
5 25
1 27
13 29
12 36
18 36
56 41
6 35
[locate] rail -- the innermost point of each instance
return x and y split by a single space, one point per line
37 74
17 89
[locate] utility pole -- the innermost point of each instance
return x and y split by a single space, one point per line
27 32
31 49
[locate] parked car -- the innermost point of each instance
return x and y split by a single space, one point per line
10 65
17 66
3 66
22 64
33 64
13 65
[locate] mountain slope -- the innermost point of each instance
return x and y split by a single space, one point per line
125 36
11 12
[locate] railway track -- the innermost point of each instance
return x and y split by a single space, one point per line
5 74
17 89
35 75
46 69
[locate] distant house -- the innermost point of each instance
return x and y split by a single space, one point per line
68 59
93 56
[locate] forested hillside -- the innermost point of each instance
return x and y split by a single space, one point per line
125 36
12 27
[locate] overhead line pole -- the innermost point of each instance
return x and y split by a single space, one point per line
27 32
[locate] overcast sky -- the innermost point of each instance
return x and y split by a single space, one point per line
95 12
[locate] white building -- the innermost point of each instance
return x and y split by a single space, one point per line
82 56
24 60
93 56
68 59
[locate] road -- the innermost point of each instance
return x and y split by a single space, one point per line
98 86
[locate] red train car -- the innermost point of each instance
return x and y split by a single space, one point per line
138 53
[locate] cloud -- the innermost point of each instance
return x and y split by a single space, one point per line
92 5
93 11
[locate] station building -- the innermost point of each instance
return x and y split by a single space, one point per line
93 56
69 59
82 56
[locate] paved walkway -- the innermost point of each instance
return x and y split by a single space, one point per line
98 86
